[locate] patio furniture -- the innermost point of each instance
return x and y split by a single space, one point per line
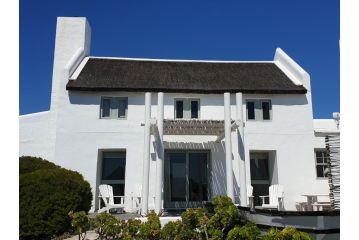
106 194
250 196
313 199
320 206
276 195
301 206
136 199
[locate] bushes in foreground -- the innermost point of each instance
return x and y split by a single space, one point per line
217 223
47 195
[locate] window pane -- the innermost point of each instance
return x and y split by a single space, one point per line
320 171
259 169
179 109
250 110
113 166
194 109
197 176
318 154
319 160
266 110
178 176
326 157
106 107
122 108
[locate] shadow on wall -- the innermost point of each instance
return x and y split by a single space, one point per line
83 98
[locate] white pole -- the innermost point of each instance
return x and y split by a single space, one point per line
160 154
146 155
228 144
242 165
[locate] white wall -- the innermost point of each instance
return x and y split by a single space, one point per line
81 134
34 135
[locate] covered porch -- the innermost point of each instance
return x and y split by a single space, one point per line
177 182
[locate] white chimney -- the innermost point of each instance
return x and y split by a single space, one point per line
72 44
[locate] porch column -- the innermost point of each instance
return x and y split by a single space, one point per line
228 144
241 153
146 154
160 154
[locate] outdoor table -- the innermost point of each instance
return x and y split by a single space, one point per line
312 198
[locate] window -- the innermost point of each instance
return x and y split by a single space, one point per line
187 108
251 110
113 172
321 162
259 110
113 107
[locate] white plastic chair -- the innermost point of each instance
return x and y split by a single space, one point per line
276 195
250 196
136 199
106 194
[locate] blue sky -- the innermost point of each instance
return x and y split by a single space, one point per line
216 30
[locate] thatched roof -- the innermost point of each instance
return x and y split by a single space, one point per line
182 76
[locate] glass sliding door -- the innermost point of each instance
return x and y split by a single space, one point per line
186 179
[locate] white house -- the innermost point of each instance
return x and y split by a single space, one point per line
178 132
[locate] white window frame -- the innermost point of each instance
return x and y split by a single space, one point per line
324 165
113 112
258 110
187 108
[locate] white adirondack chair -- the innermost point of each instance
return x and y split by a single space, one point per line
106 194
250 196
136 200
276 195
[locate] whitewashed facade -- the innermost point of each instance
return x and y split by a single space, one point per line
73 135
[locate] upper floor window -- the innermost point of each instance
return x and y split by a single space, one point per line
321 162
114 107
259 109
187 108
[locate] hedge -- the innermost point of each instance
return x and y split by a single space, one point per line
29 164
47 196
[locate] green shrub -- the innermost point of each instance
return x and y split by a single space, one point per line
106 226
272 234
171 230
152 228
249 231
46 198
195 223
80 222
28 164
132 229
290 233
226 214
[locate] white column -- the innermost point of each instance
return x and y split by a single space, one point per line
146 154
160 154
228 144
242 165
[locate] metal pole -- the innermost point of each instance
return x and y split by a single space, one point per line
146 155
160 154
228 144
242 164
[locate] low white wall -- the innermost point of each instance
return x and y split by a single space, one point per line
34 135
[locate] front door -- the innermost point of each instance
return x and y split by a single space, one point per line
259 176
186 179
